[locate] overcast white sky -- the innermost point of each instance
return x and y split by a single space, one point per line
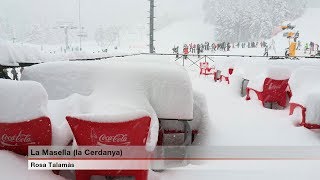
21 13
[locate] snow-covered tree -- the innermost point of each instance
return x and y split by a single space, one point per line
106 36
250 20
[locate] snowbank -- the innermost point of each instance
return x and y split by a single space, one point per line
166 85
250 68
200 114
21 101
61 82
161 88
13 166
303 81
121 114
305 88
12 54
7 55
58 110
276 73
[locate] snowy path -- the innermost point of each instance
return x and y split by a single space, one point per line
235 122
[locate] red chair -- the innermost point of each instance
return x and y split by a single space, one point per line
226 78
205 69
130 133
273 91
17 137
293 107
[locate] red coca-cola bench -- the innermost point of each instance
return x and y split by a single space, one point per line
273 91
306 122
17 137
129 133
226 78
305 87
205 69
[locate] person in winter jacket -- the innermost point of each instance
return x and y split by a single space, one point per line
228 46
185 51
306 48
14 74
299 45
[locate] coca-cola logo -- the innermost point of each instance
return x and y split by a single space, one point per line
110 139
273 86
118 138
19 139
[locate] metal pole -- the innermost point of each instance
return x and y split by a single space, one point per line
66 38
80 29
151 35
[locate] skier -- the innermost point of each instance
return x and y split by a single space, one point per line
14 74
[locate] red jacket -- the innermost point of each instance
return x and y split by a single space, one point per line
186 50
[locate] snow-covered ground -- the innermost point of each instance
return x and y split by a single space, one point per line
231 121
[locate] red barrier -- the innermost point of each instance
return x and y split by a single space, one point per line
205 69
293 107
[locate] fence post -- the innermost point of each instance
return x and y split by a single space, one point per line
183 60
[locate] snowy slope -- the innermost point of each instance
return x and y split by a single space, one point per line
308 28
187 31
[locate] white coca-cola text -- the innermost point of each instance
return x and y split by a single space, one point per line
272 86
119 138
16 139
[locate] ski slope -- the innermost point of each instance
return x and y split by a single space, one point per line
187 31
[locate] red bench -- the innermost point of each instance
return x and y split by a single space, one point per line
273 91
129 133
17 137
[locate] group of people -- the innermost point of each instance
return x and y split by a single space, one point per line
195 48
309 47
4 73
